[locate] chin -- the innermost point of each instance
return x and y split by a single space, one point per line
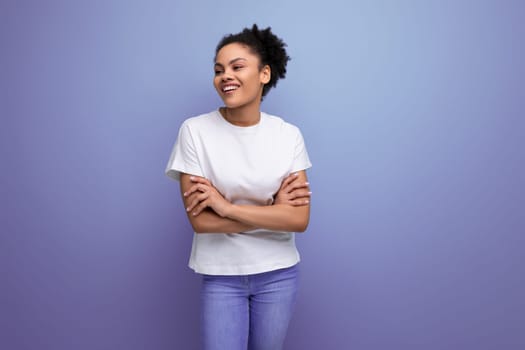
237 103
232 104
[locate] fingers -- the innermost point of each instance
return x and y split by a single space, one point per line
296 186
197 201
199 208
289 183
201 195
299 202
293 191
199 179
288 180
299 187
197 187
300 194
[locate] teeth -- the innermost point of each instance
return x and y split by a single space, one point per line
229 88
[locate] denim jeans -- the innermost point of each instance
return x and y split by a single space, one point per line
248 312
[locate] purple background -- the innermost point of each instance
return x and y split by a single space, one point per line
413 116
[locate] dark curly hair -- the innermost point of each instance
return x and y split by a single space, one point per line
266 45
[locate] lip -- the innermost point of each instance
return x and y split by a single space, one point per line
225 86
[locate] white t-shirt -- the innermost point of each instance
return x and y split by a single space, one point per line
247 166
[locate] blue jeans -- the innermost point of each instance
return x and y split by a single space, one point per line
248 312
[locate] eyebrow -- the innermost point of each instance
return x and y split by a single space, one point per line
232 61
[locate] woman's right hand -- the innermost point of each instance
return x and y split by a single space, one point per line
203 194
293 192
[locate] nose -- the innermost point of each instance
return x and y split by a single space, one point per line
226 76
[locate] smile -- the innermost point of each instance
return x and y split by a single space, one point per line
229 88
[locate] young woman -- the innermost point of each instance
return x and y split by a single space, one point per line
244 186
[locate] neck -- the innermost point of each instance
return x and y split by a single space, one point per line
242 116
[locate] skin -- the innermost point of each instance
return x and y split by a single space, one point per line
236 64
208 211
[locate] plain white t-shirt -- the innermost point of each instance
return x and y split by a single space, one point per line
247 166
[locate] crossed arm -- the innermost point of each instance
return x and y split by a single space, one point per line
209 212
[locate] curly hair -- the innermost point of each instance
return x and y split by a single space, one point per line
266 45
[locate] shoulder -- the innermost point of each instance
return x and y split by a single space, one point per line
279 124
198 121
201 122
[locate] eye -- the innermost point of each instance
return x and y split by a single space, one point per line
217 71
237 67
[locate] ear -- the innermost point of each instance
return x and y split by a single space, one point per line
266 74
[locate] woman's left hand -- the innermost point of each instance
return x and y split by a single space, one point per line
293 191
205 195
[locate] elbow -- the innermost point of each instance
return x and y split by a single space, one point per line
200 223
301 229
201 226
301 226
198 226
300 222
301 219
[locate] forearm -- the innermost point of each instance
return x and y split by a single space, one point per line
209 212
209 222
277 217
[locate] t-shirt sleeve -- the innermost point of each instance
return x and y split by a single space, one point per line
301 160
183 158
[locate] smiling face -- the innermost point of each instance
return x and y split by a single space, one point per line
239 79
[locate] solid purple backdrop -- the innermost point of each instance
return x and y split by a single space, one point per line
413 116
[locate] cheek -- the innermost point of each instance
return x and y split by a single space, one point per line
216 84
254 80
